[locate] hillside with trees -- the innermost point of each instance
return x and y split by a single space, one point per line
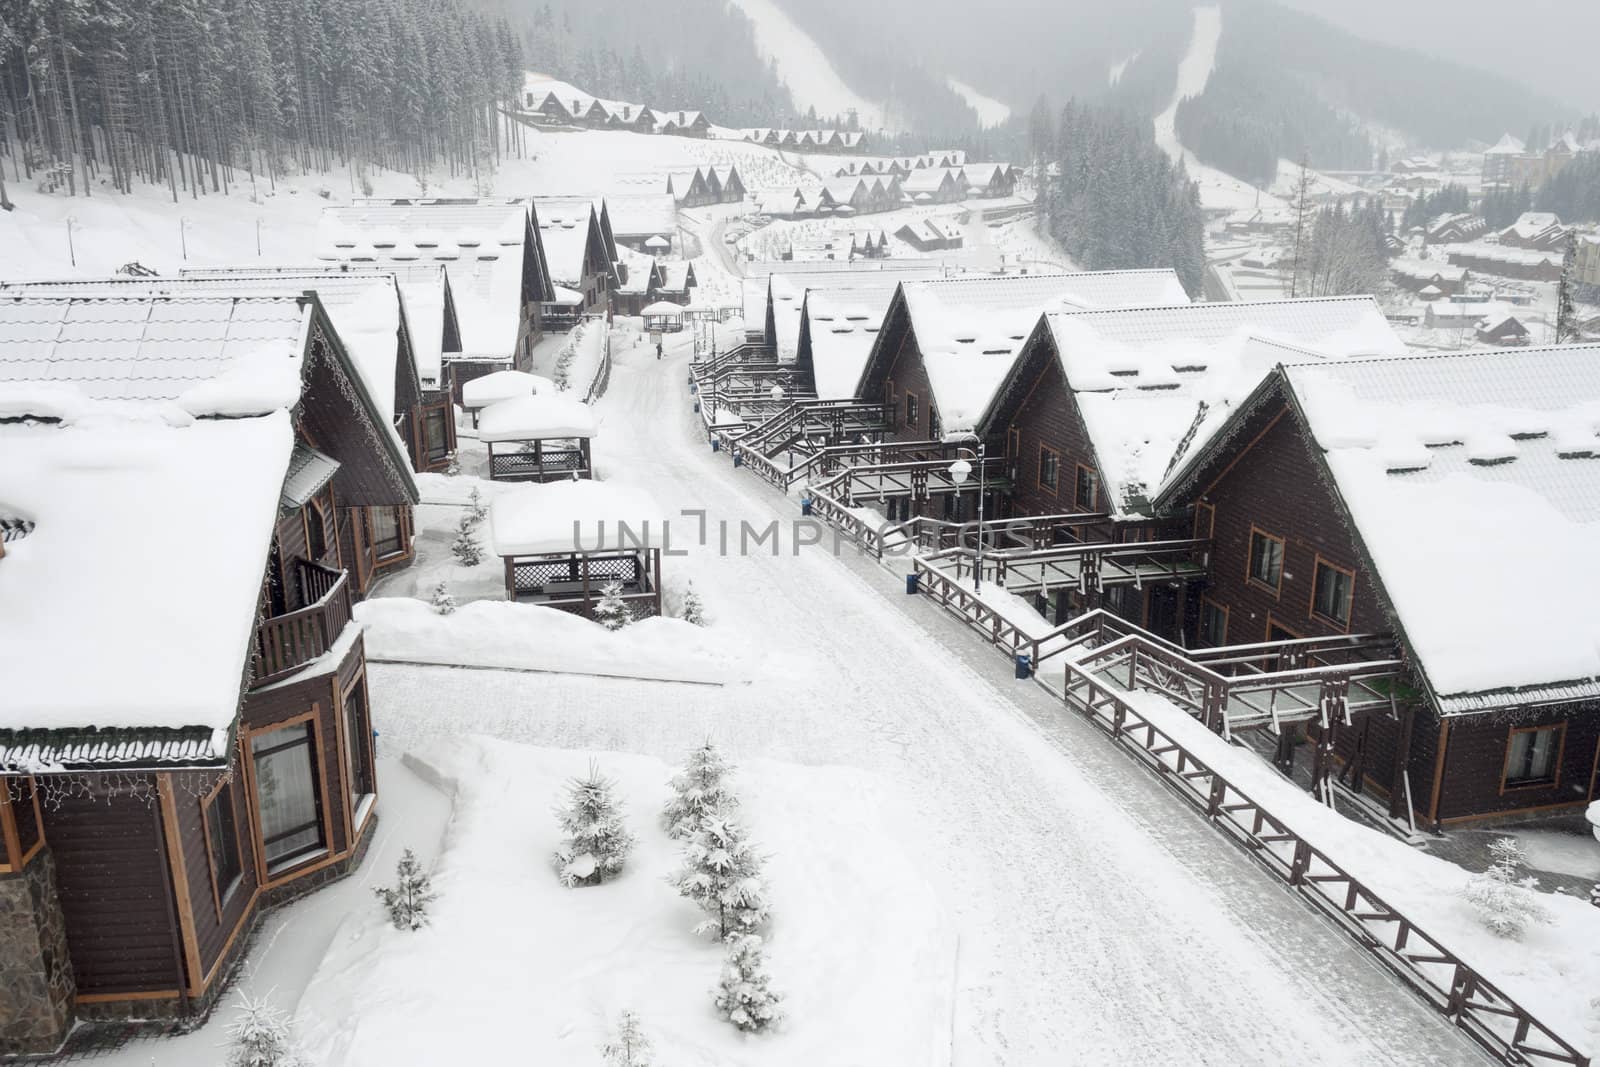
200 96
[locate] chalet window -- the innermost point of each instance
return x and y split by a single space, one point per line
1534 756
1333 590
911 411
1266 559
387 535
1213 624
316 532
288 795
1205 521
1049 470
935 427
435 435
358 752
1087 493
222 843
1014 443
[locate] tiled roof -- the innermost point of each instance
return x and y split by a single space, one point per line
140 347
309 471
42 751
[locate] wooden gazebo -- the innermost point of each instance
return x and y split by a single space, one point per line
564 542
541 438
663 317
479 393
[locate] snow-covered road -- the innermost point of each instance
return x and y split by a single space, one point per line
1101 921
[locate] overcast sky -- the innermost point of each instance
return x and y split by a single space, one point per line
1549 45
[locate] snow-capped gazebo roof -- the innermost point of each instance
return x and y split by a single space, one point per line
566 518
503 385
662 309
543 417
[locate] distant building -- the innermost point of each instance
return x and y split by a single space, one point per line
683 123
1456 228
1540 230
931 235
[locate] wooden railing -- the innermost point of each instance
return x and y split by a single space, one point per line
285 643
1482 1010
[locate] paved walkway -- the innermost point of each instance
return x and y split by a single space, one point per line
1101 921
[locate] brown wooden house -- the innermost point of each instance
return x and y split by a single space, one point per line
1396 496
493 255
576 250
217 759
683 123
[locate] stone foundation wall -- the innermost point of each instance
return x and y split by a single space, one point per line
37 987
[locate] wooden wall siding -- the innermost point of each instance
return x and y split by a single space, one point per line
115 894
909 377
1047 417
293 535
264 710
1475 758
26 817
213 934
332 421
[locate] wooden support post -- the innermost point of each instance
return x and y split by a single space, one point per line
1402 762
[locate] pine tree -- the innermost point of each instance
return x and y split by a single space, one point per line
744 995
630 1047
698 790
597 843
1503 897
693 610
407 902
466 548
259 1035
1566 312
722 873
612 611
443 602
475 509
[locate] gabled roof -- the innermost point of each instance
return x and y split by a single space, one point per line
643 216
1454 469
838 327
786 295
677 274
570 231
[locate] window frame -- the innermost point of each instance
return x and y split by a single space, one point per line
221 894
1350 599
1013 443
1210 511
1250 559
1212 602
910 411
1553 782
1077 487
313 512
1053 487
267 874
401 549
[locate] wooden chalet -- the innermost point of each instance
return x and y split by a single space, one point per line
494 258
630 118
689 188
638 219
1456 228
641 282
578 257
563 543
677 281
989 180
541 438
683 123
838 325
217 760
1351 497
1502 329
1415 275
1527 264
931 235
941 186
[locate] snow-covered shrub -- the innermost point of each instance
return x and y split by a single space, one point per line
453 469
612 611
1504 898
466 548
597 843
475 509
630 1047
722 873
1594 898
743 995
443 602
694 611
407 903
259 1035
700 788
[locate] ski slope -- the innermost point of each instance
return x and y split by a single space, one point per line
802 65
991 112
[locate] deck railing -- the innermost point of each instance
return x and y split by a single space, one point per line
285 643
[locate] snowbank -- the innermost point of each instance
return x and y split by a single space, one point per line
503 385
542 417
516 969
566 517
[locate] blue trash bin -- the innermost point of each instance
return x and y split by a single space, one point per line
805 505
697 405
716 444
694 387
912 581
1024 665
738 460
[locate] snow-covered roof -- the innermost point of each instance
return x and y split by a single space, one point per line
930 180
662 309
503 385
638 216
309 471
481 245
1506 254
539 417
565 227
1427 269
1453 466
675 274
843 322
1507 146
212 354
789 293
970 328
568 517
1151 383
166 638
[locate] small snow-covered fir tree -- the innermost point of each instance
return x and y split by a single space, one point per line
699 788
597 843
630 1047
1594 895
722 873
694 610
1504 898
612 611
475 509
442 601
407 902
259 1035
467 549
744 995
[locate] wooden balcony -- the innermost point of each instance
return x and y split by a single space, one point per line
285 643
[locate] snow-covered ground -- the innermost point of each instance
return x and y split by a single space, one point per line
991 112
515 968
804 67
1118 69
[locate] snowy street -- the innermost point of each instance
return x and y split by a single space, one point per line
1099 919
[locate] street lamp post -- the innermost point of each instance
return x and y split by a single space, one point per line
960 471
